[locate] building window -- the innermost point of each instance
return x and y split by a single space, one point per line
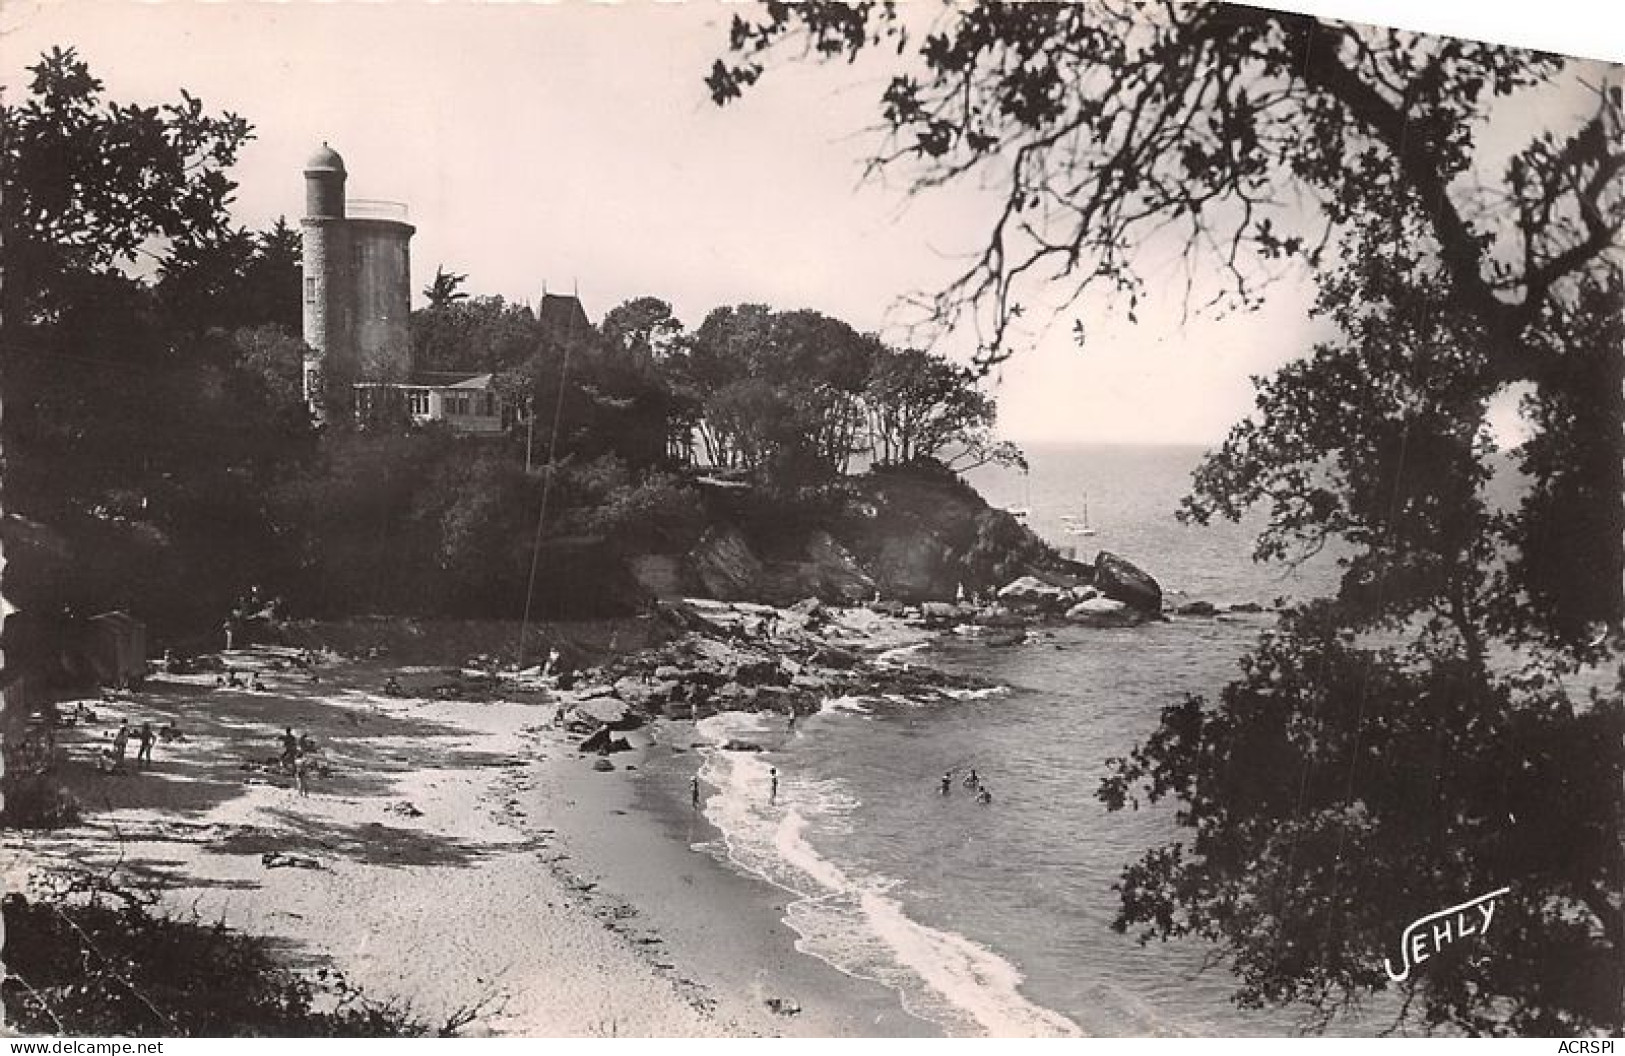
490 402
417 401
310 291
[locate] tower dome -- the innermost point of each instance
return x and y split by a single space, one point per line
326 159
324 183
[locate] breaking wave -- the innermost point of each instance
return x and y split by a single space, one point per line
849 919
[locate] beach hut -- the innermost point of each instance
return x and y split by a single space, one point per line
115 649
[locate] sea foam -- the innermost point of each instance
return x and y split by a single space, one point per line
850 920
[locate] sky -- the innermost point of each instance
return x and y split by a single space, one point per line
573 147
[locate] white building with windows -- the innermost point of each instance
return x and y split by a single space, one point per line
466 402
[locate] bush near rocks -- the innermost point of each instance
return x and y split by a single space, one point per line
109 966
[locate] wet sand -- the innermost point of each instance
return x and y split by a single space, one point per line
664 858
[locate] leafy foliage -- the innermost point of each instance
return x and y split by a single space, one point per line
919 405
239 280
1114 128
135 428
659 514
108 966
160 176
795 396
445 290
1108 121
780 391
30 796
644 325
459 332
1333 772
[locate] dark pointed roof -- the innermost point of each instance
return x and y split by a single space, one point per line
562 313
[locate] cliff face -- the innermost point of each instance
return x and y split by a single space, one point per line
915 534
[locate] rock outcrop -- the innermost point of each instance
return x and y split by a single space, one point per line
1122 581
831 571
1030 592
913 535
914 567
660 576
1103 612
725 566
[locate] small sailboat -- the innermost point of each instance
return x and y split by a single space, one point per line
1075 525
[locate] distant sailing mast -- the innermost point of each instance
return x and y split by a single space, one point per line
1079 525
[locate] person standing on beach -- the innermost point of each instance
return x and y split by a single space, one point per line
792 727
694 791
143 756
773 791
121 741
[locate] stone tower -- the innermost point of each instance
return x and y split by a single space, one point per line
358 286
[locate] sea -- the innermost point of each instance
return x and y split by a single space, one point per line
996 919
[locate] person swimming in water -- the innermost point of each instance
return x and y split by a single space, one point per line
947 781
971 780
984 797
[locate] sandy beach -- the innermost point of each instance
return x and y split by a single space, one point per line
452 855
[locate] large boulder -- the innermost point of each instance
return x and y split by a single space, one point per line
1030 592
1102 612
835 656
599 741
1122 581
720 662
659 575
634 691
915 566
1077 594
811 608
605 710
832 572
725 566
